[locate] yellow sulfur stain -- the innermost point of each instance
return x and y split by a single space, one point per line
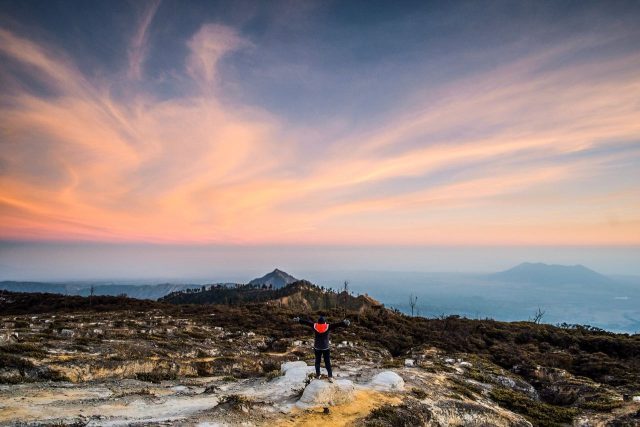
341 415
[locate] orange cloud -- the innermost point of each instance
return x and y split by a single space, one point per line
82 164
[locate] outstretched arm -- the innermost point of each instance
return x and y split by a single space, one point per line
342 324
303 321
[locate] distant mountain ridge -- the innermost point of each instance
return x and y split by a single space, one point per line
152 292
551 274
276 279
301 295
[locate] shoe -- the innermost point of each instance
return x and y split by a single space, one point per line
330 379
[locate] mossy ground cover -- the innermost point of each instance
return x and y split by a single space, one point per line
539 413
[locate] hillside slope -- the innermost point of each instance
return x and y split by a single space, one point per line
301 295
548 375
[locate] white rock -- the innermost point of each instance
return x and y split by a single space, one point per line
322 393
291 365
449 361
294 379
505 381
297 343
409 362
387 381
636 398
465 365
296 373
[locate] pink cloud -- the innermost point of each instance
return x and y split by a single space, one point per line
82 164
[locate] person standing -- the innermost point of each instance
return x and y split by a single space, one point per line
321 341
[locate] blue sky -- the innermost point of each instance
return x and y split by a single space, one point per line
320 124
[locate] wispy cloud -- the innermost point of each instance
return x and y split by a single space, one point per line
450 166
207 46
139 44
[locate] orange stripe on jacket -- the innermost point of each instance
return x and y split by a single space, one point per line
321 328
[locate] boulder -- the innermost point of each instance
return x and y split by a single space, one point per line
387 381
323 394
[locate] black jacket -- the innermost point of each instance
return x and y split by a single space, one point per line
321 339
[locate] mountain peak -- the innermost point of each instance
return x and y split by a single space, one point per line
552 274
277 279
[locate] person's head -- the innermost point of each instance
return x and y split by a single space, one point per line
321 320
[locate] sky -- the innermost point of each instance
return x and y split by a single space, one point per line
272 126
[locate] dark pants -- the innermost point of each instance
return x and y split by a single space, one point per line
327 361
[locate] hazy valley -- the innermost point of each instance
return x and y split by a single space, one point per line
573 295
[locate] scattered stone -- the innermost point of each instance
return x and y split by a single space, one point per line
409 362
211 389
465 365
518 385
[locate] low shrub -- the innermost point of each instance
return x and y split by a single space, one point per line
539 413
405 415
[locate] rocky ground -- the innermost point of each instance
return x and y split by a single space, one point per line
153 368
